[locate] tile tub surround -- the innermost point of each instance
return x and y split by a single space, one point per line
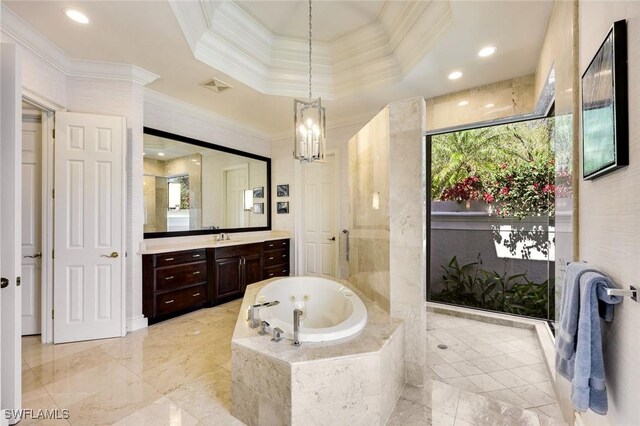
350 381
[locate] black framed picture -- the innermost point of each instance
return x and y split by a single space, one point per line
282 190
605 125
258 192
258 208
282 207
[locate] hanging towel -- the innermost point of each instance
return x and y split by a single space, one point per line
579 342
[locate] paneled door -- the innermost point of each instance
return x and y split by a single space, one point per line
320 249
89 227
31 227
236 181
10 288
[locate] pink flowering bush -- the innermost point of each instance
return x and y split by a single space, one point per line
470 188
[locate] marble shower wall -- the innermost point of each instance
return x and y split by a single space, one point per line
387 220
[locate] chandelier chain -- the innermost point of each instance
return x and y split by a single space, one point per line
310 28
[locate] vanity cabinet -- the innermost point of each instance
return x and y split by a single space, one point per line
177 282
174 282
276 258
235 268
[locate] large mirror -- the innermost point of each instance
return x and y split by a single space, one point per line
194 187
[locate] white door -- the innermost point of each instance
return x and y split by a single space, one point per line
10 177
89 227
236 182
31 227
320 249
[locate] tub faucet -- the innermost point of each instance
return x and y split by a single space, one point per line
297 313
253 317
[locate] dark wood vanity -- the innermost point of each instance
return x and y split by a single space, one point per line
181 281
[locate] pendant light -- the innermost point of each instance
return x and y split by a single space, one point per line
309 127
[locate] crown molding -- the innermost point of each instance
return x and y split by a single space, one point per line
230 39
21 33
180 107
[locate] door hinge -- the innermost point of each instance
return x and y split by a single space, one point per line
53 193
54 133
53 316
53 254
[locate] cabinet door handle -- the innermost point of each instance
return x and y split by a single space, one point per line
271 274
196 255
196 273
284 255
168 259
271 258
197 294
270 245
284 244
170 278
168 301
284 270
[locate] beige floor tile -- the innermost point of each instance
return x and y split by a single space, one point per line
162 412
533 396
466 369
207 398
68 365
38 354
486 383
529 374
113 404
86 383
508 378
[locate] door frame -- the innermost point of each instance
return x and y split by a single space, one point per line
47 145
300 216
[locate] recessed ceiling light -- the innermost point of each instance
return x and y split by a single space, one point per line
455 75
489 105
76 15
197 164
194 160
463 103
144 153
487 51
161 154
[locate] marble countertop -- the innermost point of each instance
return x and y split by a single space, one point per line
378 331
164 245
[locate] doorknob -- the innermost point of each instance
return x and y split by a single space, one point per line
112 255
4 282
331 239
34 256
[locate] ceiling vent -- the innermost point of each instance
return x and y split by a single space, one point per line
215 85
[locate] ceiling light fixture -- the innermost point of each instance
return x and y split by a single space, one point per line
463 103
76 15
161 154
309 126
487 51
455 75
489 105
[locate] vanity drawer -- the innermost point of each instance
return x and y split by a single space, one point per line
177 257
276 271
276 244
277 257
172 277
180 299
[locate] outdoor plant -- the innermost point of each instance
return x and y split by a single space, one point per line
471 285
470 188
523 188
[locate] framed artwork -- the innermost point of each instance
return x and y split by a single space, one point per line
282 190
282 207
258 208
258 192
605 125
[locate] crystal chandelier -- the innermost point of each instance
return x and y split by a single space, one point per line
309 122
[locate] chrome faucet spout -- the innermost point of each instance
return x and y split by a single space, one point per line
253 317
297 313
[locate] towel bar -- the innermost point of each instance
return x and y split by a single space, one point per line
632 292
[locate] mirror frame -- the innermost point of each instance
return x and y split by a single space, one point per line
185 139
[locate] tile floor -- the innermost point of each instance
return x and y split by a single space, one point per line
179 373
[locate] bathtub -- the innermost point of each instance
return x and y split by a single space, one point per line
331 311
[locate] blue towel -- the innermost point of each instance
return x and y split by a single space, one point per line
579 342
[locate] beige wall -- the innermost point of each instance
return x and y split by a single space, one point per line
609 216
498 100
388 261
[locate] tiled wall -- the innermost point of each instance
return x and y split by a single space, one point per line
609 216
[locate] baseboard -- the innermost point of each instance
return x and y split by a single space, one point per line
136 323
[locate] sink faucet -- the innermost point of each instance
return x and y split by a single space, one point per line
254 317
297 313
